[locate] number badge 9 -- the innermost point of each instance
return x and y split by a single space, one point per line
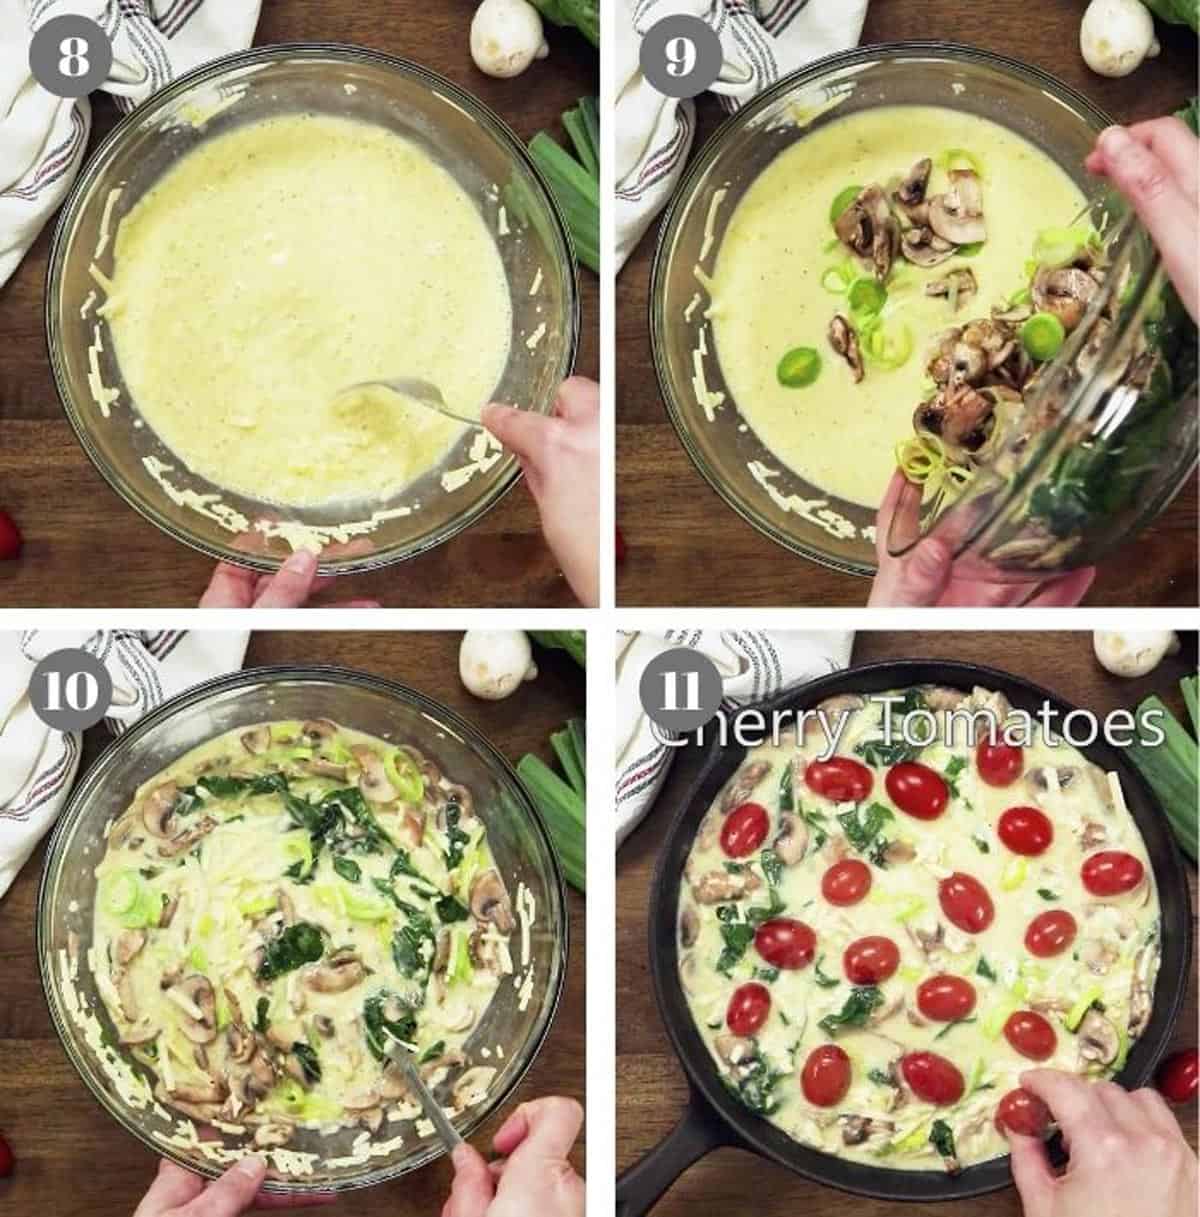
681 56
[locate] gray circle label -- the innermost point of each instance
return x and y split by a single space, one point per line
680 690
681 56
70 56
70 690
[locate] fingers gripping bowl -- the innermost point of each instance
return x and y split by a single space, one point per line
236 1086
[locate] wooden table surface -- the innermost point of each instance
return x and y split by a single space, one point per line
674 525
84 546
651 1090
72 1159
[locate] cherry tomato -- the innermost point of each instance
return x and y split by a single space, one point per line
825 1077
1050 933
846 882
868 961
748 1008
917 789
6 1159
932 1078
1022 1112
1031 1035
1111 872
785 943
945 998
1025 830
966 902
744 830
999 764
1176 1076
10 538
841 779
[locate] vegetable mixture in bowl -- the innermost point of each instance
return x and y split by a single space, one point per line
876 937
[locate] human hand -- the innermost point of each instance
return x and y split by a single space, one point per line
1127 1153
534 1176
179 1193
925 574
1156 166
290 587
560 455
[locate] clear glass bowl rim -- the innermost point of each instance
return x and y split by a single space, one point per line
955 52
82 189
318 673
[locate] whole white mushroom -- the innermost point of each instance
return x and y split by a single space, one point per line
1116 36
506 37
494 663
1133 652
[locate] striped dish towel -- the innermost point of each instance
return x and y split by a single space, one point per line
763 40
37 764
43 137
754 665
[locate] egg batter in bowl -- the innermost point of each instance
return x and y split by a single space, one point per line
278 263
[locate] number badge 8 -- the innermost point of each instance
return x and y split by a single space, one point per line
70 56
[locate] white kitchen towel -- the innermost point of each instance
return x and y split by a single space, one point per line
754 664
38 764
43 137
762 40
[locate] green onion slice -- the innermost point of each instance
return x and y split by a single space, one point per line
1042 336
867 297
837 279
799 368
960 158
842 200
888 345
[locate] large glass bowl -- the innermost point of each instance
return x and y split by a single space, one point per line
367 703
794 512
459 132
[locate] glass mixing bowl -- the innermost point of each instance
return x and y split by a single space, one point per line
787 508
380 707
466 138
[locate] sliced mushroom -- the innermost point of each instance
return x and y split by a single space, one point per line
844 341
325 1026
318 730
194 995
284 1035
129 943
858 1129
1065 292
898 851
210 1090
147 1033
957 215
260 1080
743 784
206 1113
891 1006
441 954
489 901
412 828
960 416
240 1044
1037 781
471 1086
373 781
1013 314
958 285
393 1086
733 1049
791 841
868 228
1144 964
689 927
186 840
257 740
923 247
158 808
322 768
341 971
463 797
268 1136
1099 1040
169 909
718 887
910 194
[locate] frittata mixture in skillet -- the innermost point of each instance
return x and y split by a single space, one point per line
877 944
276 905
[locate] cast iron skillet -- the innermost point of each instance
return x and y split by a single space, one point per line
714 1118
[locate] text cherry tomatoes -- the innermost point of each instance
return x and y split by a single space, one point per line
917 789
825 1077
1025 830
744 830
1050 933
966 902
846 882
785 943
1022 1112
1176 1076
1111 872
945 998
868 961
932 1078
748 1008
840 778
1030 1035
999 764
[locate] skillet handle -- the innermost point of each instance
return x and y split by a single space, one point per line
697 1133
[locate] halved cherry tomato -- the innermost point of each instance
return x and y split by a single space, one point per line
1111 872
999 764
840 778
6 1159
1025 830
1031 1035
870 960
744 830
1176 1076
1022 1112
966 902
945 998
825 1077
846 882
1050 933
748 1008
932 1078
785 943
917 789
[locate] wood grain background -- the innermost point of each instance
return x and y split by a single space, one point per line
84 546
72 1159
674 524
651 1091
